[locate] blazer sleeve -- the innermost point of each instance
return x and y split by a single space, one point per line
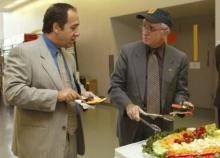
182 92
18 79
217 57
117 90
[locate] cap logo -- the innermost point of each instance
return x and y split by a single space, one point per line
151 11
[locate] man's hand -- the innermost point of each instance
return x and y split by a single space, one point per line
183 108
88 94
133 112
188 105
67 95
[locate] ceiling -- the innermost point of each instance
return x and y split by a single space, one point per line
20 3
197 8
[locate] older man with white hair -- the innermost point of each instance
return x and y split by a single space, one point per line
149 76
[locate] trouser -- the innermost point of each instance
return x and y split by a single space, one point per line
71 146
217 114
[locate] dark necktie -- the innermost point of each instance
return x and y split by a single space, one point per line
153 84
71 122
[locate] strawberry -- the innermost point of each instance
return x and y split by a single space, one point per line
177 141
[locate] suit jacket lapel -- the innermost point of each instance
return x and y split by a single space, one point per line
140 68
70 64
70 60
168 72
49 65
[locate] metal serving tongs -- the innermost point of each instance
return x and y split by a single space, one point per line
165 117
174 113
151 125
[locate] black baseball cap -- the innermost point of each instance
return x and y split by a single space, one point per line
156 16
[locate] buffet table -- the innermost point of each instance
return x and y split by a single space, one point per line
133 150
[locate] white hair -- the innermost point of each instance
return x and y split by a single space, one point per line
165 26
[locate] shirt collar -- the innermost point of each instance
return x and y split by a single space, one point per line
160 50
51 45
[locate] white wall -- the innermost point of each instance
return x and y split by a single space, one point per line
1 28
201 96
126 29
217 21
96 42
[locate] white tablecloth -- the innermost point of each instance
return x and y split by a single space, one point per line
133 150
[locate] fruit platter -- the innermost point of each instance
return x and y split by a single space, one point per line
200 142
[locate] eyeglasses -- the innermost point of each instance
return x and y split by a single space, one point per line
151 29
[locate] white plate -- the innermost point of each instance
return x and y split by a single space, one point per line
84 105
146 155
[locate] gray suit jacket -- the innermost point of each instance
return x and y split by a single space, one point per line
128 83
217 59
31 83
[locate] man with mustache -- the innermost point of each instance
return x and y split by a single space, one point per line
40 81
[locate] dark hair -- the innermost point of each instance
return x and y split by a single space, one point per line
56 13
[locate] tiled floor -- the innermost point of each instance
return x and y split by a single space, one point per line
99 129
